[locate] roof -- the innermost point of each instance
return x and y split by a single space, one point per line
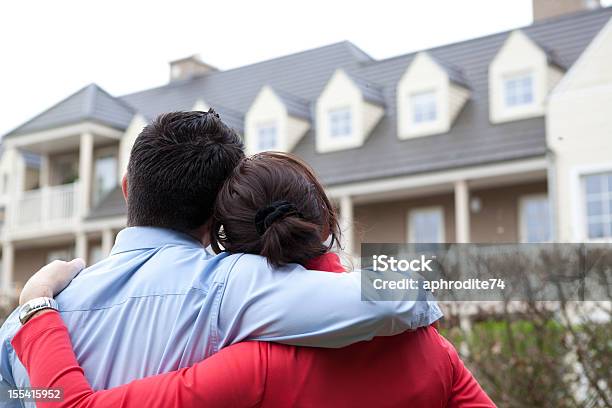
295 106
302 75
473 139
371 92
454 73
299 79
88 103
551 56
113 204
230 117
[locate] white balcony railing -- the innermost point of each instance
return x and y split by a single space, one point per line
47 207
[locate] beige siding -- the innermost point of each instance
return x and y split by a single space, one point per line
127 141
387 221
497 221
28 261
579 133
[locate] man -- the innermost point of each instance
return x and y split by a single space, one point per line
160 301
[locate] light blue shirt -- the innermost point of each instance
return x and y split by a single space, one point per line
160 302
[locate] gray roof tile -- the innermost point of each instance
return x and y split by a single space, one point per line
295 105
113 204
371 92
454 73
89 103
302 75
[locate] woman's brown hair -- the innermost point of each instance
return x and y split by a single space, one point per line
273 205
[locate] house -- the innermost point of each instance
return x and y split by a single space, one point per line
504 138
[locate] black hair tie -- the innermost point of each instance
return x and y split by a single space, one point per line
276 211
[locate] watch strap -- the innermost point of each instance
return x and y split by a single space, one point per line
29 308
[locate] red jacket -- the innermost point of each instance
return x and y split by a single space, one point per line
414 369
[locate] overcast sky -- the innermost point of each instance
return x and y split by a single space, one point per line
49 49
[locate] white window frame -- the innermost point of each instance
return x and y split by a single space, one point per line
424 94
607 234
4 181
267 126
95 254
515 77
104 154
330 122
578 194
523 226
64 254
411 231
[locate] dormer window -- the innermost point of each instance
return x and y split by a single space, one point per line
267 137
340 122
347 110
430 95
276 120
424 107
521 76
518 90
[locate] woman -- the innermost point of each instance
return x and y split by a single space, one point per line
274 206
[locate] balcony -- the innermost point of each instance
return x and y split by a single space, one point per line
48 208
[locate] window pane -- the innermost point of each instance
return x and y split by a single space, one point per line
598 205
596 230
536 221
426 226
105 176
66 171
424 108
95 254
340 122
518 90
267 138
594 208
593 184
527 90
60 254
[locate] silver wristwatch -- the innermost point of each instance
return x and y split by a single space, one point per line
32 306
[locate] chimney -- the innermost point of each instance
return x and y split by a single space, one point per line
189 68
544 9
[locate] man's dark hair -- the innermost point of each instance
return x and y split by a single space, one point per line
177 166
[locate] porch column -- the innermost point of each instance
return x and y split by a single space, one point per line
462 212
85 172
80 246
107 241
8 263
346 223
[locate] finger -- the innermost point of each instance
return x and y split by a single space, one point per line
78 264
67 273
73 268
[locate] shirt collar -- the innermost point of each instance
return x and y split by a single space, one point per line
138 238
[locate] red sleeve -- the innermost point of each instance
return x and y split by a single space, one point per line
465 392
329 262
234 377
